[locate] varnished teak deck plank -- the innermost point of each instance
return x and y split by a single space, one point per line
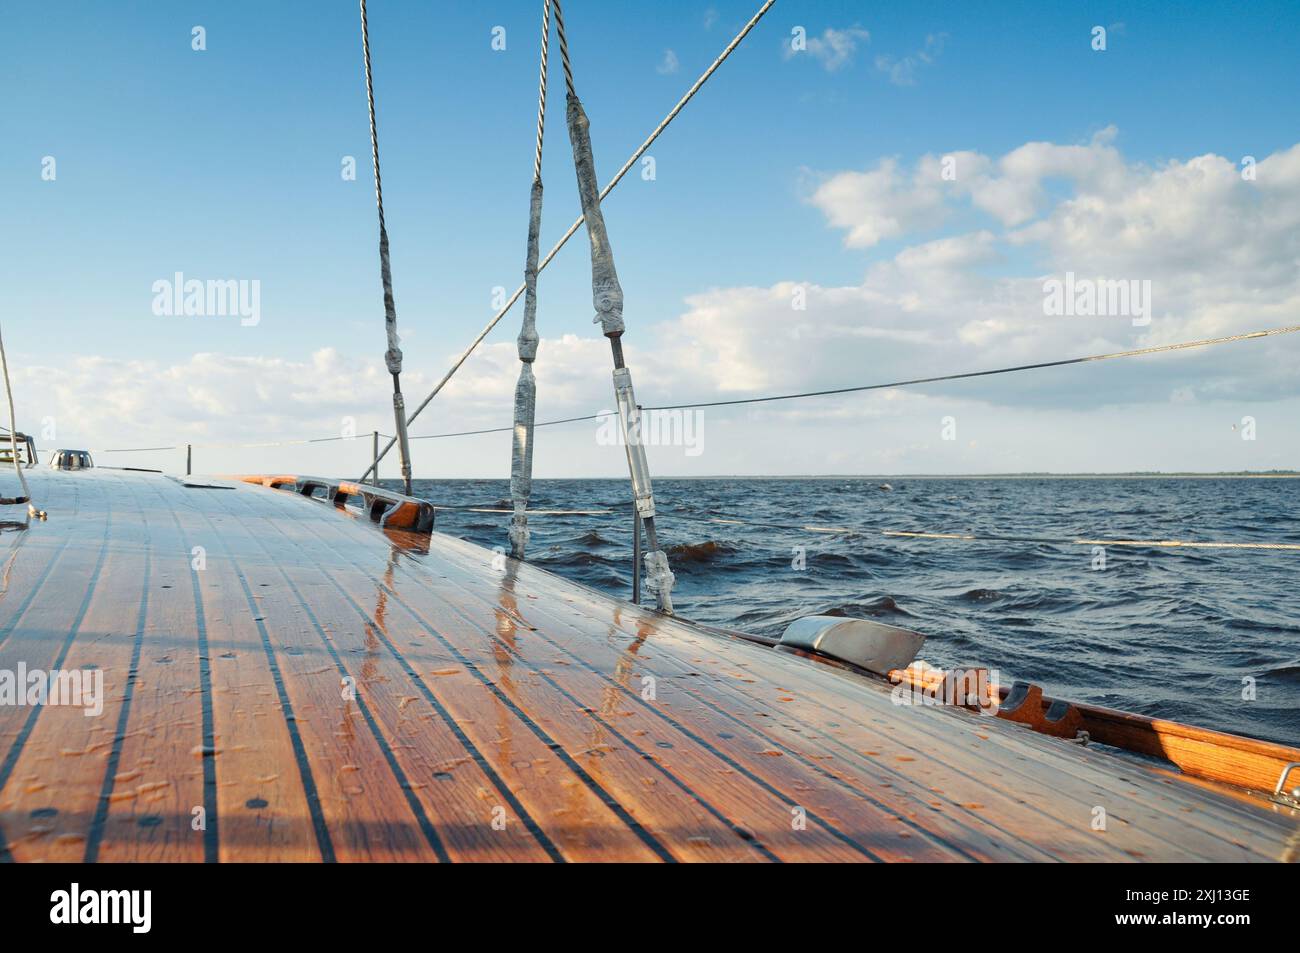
322 690
262 808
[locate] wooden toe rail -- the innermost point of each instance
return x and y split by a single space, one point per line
390 510
1199 752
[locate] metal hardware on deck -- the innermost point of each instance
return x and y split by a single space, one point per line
187 482
874 646
636 556
521 454
390 510
1290 798
18 445
71 460
403 446
629 418
189 450
374 438
1024 704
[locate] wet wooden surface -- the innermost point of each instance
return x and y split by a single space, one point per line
285 681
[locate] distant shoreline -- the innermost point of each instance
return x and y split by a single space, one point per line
885 477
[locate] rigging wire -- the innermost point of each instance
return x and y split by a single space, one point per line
521 452
1114 355
573 229
1137 352
393 356
729 520
231 446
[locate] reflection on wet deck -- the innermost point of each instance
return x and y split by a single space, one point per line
285 682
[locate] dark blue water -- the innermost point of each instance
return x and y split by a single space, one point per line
1170 633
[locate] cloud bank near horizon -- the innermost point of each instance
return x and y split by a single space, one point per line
956 249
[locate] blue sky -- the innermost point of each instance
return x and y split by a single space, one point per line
225 163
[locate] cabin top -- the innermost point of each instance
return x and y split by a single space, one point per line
282 679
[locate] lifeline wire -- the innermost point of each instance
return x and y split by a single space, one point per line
1161 348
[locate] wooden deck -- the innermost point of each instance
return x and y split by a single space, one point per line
324 690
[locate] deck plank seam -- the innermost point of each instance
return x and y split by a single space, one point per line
934 838
212 819
1181 819
12 624
15 750
868 766
324 842
712 809
1061 758
736 827
609 800
417 809
100 818
530 824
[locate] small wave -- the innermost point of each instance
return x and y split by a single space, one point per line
560 558
824 560
885 605
981 595
699 552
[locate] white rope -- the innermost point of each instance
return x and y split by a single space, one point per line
487 509
573 229
1000 538
1140 543
32 511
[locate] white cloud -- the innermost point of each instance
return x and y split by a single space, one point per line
668 64
1221 254
881 203
834 49
888 201
902 71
